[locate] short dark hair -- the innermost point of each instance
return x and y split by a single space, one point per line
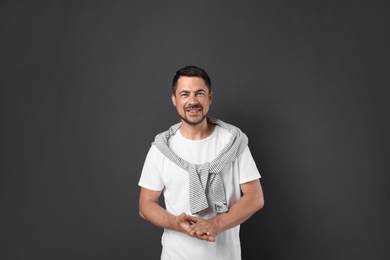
191 71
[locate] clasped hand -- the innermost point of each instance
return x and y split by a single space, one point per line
204 229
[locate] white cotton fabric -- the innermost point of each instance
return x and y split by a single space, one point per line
160 173
205 182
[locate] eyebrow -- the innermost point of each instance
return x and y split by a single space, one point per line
196 91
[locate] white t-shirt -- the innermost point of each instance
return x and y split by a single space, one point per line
160 173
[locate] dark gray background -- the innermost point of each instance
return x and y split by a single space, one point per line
85 87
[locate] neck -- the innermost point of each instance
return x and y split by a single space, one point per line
196 132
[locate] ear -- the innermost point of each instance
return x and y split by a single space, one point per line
210 97
173 99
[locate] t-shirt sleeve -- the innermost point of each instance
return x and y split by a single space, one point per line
150 175
247 167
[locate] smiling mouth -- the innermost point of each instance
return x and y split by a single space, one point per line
193 112
193 109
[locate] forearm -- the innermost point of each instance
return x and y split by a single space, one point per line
157 215
243 209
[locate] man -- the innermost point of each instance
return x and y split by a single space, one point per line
206 172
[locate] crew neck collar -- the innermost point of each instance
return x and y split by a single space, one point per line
199 140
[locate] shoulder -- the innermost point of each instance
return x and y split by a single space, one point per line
154 153
163 136
221 132
229 128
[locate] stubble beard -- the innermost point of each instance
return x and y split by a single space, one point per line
193 123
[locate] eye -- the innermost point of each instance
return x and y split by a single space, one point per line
183 94
200 94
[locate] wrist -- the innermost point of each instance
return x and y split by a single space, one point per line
174 224
217 224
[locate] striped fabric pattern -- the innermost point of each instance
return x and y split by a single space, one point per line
204 179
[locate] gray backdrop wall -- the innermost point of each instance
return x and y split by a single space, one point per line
85 87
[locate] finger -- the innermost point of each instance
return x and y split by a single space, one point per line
196 226
206 237
212 238
194 233
191 218
198 230
203 233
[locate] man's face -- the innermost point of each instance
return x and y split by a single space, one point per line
192 99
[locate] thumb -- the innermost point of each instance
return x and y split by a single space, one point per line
191 218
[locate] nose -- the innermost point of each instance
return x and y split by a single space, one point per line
193 100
